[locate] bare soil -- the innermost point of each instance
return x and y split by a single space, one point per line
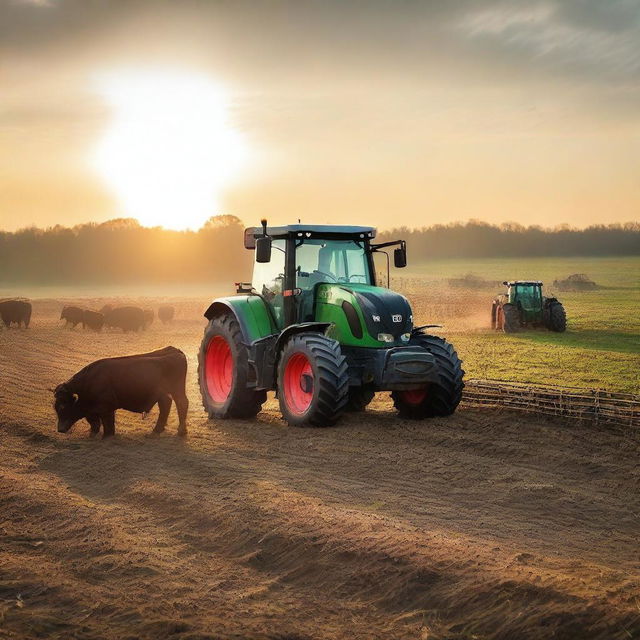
483 525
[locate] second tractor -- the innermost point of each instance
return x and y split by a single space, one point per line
524 305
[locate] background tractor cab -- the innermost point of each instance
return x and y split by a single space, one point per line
314 326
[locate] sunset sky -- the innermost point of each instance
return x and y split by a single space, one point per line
381 112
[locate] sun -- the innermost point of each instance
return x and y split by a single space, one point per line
169 151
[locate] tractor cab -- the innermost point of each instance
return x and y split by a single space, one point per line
319 273
527 296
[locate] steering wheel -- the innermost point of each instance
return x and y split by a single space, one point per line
329 275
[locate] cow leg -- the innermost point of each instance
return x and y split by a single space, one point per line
182 405
108 424
164 404
95 423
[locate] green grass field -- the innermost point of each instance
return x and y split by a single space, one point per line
601 348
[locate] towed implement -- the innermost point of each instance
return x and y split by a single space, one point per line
314 326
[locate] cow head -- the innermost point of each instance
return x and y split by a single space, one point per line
67 406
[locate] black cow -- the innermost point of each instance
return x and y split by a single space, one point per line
125 318
135 383
72 316
15 311
92 319
106 309
166 313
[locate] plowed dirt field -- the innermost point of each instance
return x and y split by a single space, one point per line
484 525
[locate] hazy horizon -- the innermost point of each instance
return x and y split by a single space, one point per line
381 113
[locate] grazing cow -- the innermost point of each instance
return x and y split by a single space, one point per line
166 313
134 383
125 318
72 316
148 317
15 311
92 319
106 309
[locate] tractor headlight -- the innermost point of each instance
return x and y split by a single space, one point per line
386 337
405 337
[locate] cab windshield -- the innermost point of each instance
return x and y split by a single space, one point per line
331 261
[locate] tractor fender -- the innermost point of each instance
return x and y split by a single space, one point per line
303 327
250 312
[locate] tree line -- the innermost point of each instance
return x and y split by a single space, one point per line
477 239
122 251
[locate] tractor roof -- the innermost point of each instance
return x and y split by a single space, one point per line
310 231
524 282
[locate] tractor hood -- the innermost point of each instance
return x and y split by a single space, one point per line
378 309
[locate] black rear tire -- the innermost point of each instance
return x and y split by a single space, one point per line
359 398
313 381
557 318
511 317
241 401
440 398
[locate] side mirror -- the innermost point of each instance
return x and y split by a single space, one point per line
263 249
400 257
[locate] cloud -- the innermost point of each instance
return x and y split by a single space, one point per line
570 37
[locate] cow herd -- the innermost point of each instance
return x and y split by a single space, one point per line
135 383
127 318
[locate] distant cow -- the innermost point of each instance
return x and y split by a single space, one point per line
134 383
148 317
92 319
72 316
166 313
125 318
15 311
105 309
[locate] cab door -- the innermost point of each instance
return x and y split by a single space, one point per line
268 280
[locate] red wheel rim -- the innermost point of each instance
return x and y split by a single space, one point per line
414 396
219 369
298 383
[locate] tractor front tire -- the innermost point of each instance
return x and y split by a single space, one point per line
359 398
438 398
223 372
510 318
313 381
557 318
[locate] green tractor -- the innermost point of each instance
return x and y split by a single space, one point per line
314 327
524 305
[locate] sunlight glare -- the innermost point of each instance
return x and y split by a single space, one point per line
169 150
